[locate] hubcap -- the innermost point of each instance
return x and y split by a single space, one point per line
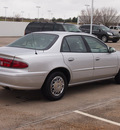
57 86
104 39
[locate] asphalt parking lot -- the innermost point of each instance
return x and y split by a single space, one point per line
93 106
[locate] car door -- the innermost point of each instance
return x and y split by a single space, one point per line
97 31
76 57
105 63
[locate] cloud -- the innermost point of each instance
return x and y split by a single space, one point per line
58 8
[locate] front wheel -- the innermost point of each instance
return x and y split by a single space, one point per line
104 38
55 86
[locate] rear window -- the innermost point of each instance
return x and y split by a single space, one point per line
39 41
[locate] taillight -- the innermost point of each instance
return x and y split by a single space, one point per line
12 63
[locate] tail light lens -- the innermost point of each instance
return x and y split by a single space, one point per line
12 63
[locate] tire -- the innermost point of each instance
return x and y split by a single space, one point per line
55 86
114 41
6 88
104 38
117 78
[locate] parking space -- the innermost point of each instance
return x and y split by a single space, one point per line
29 110
77 120
93 106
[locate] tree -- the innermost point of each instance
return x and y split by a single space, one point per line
17 17
74 20
53 19
106 16
109 16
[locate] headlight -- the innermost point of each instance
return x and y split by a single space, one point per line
109 33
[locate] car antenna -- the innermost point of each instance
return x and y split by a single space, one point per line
35 47
35 51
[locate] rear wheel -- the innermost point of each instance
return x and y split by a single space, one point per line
55 86
104 38
6 88
117 78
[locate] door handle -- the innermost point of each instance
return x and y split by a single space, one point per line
97 59
71 59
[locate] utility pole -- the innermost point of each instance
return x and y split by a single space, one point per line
91 17
5 12
38 11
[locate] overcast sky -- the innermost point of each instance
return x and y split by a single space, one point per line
52 8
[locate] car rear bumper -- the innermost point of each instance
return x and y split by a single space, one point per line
22 81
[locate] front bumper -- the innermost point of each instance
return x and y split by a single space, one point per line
22 81
113 38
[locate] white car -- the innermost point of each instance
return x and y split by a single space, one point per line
52 61
115 29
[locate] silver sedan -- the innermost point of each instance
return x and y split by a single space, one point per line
52 61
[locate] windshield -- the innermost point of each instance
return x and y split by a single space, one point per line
70 28
39 41
104 28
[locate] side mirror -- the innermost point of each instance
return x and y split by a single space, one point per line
111 50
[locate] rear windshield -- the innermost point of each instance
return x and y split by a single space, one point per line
39 41
70 28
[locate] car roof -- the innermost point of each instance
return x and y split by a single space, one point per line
64 33
35 22
92 25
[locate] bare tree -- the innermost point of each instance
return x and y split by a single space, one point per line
109 16
85 16
106 16
17 17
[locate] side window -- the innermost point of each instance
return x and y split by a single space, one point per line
41 25
95 45
115 28
58 27
65 47
48 27
34 27
95 28
73 44
86 27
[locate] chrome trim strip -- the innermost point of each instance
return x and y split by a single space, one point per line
72 84
104 67
84 69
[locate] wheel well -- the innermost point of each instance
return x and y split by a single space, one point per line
64 71
104 35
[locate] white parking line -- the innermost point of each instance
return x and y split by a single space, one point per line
98 118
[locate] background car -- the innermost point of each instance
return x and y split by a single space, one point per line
52 61
50 26
102 32
115 28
